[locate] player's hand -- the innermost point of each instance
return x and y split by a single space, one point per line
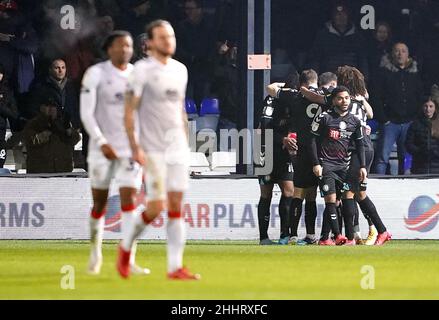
108 152
273 88
318 170
6 37
290 144
363 174
223 48
360 98
139 156
368 130
303 90
44 136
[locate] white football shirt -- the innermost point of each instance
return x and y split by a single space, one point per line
103 107
162 89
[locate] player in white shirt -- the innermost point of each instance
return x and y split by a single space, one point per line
109 155
156 90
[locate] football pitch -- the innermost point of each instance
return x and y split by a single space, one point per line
230 270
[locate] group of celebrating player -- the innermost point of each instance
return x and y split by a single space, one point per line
137 125
321 139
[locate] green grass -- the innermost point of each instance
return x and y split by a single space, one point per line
230 270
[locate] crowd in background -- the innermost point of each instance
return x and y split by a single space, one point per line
42 62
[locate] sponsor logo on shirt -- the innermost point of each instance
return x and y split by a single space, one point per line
334 134
172 94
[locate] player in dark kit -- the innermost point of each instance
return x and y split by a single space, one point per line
333 132
305 182
276 116
353 79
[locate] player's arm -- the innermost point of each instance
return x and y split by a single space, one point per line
367 107
316 131
131 105
359 144
183 104
87 111
185 120
133 96
284 95
312 96
274 88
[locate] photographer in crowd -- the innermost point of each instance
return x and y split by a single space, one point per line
50 140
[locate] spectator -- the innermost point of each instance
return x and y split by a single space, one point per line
423 140
136 14
226 87
107 8
429 52
196 48
339 43
59 88
50 139
380 45
18 42
435 93
8 110
104 27
83 53
398 92
140 47
281 66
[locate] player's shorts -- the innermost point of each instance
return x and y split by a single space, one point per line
126 172
353 176
165 174
304 176
282 171
333 182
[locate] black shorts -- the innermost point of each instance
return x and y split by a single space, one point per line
282 171
333 182
353 176
304 177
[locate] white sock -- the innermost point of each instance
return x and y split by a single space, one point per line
176 241
127 223
137 226
133 253
96 233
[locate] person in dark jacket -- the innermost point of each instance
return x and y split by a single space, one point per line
18 44
225 86
397 93
379 46
339 43
50 140
8 111
423 140
196 48
59 88
136 14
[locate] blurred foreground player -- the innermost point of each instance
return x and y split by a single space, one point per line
156 91
109 156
